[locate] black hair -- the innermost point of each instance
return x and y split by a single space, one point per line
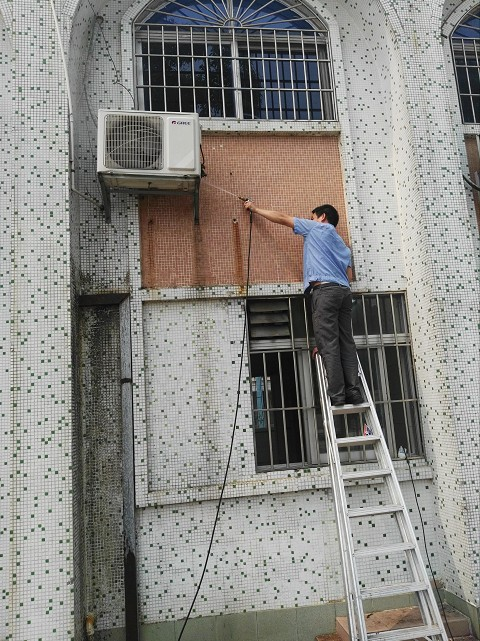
330 212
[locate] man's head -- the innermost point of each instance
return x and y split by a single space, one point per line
328 212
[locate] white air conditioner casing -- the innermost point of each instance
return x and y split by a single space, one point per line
149 151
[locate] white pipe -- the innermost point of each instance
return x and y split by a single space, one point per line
69 97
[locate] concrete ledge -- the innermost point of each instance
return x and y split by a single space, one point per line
284 624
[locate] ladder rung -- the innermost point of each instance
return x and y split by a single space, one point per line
365 474
404 634
357 440
350 409
384 549
371 510
392 590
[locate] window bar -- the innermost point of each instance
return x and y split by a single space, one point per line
320 83
220 65
362 298
297 384
278 74
149 57
267 411
284 416
290 63
468 79
208 84
250 80
262 58
305 76
400 373
179 82
325 83
192 66
389 426
305 316
239 15
164 70
237 84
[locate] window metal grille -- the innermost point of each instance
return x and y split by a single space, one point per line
234 60
465 42
288 427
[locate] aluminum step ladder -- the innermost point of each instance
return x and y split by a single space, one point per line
362 561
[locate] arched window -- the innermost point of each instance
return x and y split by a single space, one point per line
466 54
238 59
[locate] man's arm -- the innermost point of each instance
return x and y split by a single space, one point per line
271 215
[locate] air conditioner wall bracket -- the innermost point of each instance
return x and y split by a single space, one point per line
107 204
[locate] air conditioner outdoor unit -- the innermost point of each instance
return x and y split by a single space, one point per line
148 151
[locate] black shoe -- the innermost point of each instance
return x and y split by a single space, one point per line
337 403
354 399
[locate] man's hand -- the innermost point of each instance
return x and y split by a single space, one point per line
249 206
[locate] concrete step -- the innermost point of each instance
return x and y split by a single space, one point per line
458 624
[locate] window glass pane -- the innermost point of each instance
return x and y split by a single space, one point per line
173 99
462 79
467 109
399 423
371 313
298 317
474 80
406 365
400 313
372 371
358 322
394 382
476 108
316 110
382 417
458 53
414 433
294 439
386 314
262 448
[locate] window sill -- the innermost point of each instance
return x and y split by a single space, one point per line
471 129
279 482
295 127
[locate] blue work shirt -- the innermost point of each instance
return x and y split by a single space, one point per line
325 255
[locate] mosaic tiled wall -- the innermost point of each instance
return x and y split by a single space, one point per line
5 292
291 174
412 226
36 554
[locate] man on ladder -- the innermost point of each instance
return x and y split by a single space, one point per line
326 262
326 275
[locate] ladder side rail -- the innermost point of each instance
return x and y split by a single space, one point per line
429 607
354 602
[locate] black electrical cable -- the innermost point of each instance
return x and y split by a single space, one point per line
232 438
425 544
116 80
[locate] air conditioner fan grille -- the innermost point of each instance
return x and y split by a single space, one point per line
133 142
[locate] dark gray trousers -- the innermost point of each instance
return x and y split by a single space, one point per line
332 325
